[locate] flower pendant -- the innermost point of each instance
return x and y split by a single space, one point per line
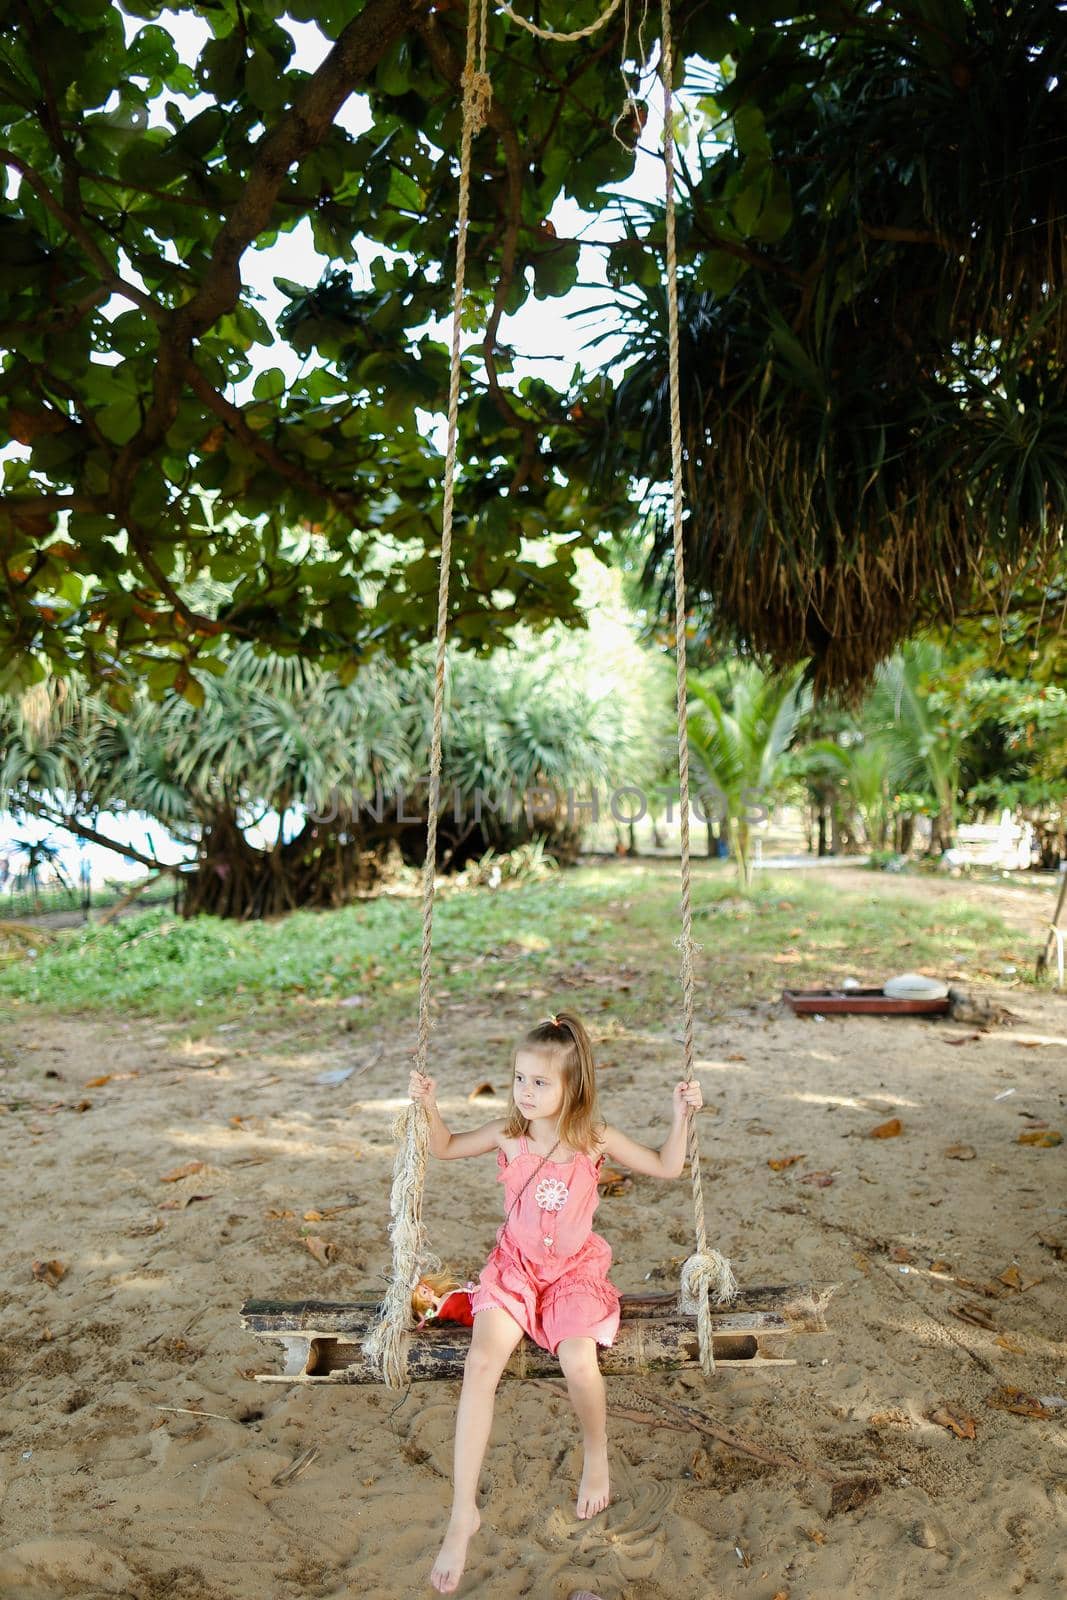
551 1194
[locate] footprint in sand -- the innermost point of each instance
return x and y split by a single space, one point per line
627 1540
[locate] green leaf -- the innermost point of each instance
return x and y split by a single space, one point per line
750 131
555 270
265 81
269 385
393 72
121 420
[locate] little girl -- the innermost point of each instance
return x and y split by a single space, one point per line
548 1273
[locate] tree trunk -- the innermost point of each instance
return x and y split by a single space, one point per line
945 826
741 843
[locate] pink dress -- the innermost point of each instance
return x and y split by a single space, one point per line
548 1268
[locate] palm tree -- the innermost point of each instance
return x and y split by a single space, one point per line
741 750
907 739
924 743
864 767
872 322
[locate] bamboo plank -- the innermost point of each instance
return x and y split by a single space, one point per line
800 1302
322 1340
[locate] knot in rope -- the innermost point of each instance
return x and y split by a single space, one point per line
706 1278
477 98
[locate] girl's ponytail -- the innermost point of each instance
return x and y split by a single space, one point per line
573 1029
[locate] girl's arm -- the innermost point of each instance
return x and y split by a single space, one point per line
669 1159
449 1146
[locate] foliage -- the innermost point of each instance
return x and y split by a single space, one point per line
874 396
872 301
863 765
739 748
126 325
346 763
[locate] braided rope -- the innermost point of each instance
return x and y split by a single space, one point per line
706 1270
562 38
387 1347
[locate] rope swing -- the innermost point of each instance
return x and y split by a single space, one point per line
706 1271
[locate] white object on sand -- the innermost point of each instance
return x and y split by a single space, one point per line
913 986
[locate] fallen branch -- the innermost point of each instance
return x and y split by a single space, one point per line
846 1493
186 1412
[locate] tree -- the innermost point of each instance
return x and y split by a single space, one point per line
873 317
342 767
740 748
872 269
125 323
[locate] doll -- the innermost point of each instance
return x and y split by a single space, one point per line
438 1297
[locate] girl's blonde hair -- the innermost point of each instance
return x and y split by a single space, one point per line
564 1041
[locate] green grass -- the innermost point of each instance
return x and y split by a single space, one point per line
610 927
18 903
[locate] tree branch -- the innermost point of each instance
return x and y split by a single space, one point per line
194 619
235 419
300 129
83 831
107 272
56 319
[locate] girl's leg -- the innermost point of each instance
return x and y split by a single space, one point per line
577 1357
493 1338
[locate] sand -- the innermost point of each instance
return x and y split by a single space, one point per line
111 1487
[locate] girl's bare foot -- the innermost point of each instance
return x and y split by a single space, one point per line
448 1568
593 1491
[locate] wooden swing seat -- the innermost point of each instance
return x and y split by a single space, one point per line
322 1339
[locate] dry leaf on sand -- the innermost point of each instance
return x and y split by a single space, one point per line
887 1130
1015 1280
49 1272
323 1250
957 1422
182 1172
1009 1398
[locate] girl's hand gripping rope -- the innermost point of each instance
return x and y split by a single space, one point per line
687 1098
422 1088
